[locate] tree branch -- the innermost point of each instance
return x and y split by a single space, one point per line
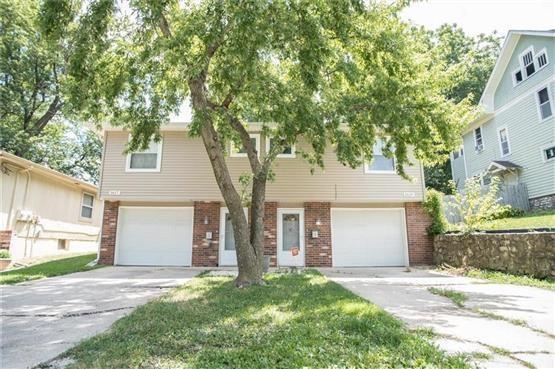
54 107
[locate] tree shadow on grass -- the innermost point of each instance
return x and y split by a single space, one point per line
297 321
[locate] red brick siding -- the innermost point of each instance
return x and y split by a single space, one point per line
5 239
205 252
270 232
420 244
109 227
318 250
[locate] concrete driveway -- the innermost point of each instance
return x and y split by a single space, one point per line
513 325
42 319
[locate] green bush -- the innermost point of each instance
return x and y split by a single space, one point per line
433 204
506 211
4 254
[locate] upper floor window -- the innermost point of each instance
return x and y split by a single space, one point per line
528 62
380 163
288 151
87 204
241 152
504 141
148 160
549 153
541 59
458 153
478 140
544 103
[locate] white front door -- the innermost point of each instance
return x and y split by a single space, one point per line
228 255
290 237
154 236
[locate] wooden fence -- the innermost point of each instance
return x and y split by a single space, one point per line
514 195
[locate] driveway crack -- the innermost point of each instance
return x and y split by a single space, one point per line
68 315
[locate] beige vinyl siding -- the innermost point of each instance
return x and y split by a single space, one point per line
186 175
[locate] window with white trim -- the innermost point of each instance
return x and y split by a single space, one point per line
459 153
478 140
528 62
380 163
241 152
549 153
504 141
288 151
544 103
517 76
87 204
145 160
541 59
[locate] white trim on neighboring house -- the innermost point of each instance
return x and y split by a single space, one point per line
81 217
478 148
158 168
543 154
550 101
289 156
499 129
537 56
513 75
233 151
528 50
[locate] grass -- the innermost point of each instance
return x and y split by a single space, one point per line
527 221
48 269
296 321
458 298
506 278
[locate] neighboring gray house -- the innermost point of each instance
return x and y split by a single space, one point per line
514 137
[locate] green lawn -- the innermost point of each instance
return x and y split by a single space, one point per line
48 269
296 321
501 277
528 221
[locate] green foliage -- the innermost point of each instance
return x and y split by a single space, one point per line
507 212
35 114
4 254
438 177
476 204
309 68
433 204
503 277
458 298
297 321
48 269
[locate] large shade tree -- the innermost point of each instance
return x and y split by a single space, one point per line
331 72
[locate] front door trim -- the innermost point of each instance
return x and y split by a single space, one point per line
282 259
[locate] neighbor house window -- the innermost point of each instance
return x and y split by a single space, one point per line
517 77
241 152
478 140
528 62
63 244
544 103
457 154
549 153
87 204
288 151
146 160
380 163
504 141
541 59
486 179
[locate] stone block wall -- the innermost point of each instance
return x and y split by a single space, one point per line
543 203
518 253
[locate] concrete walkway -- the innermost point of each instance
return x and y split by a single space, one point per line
528 342
42 319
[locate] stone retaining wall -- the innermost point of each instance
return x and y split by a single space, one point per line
518 253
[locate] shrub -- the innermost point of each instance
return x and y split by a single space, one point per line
433 204
4 254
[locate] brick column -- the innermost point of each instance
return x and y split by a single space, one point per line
270 232
205 252
5 239
420 244
318 250
108 237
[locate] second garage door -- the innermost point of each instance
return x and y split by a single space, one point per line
368 237
160 236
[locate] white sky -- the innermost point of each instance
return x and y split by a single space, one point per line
484 16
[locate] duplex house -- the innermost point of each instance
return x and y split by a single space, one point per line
514 138
44 212
163 207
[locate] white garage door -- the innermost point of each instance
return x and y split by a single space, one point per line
154 236
368 237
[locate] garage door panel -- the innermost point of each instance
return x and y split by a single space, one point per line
368 237
155 236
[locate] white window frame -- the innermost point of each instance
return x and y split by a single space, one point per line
81 217
146 170
537 56
537 93
368 170
233 153
500 143
544 156
523 67
515 82
476 150
293 154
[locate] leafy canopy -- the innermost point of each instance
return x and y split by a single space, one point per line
330 71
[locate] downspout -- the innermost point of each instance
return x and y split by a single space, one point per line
9 222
